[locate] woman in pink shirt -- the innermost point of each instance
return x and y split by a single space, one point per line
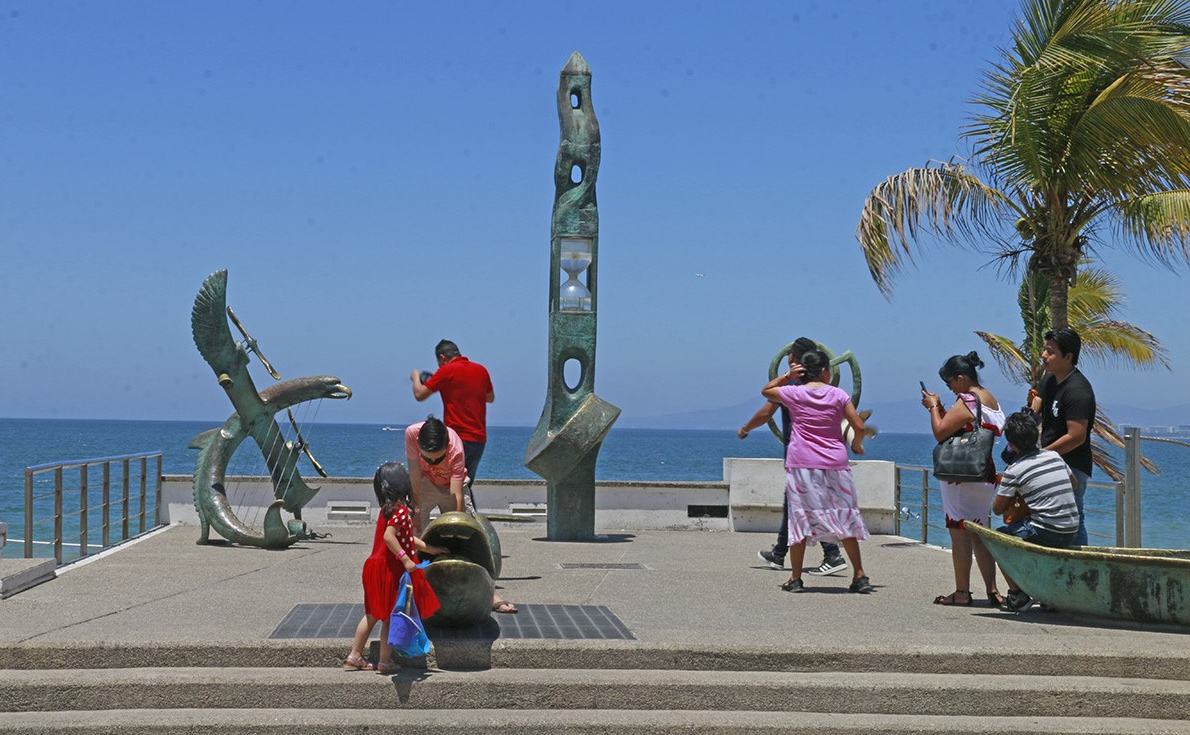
436 469
818 484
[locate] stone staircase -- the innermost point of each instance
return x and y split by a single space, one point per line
555 687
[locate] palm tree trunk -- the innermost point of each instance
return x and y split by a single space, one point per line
1059 287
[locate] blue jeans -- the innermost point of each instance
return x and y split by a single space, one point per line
829 550
1026 531
1080 490
472 453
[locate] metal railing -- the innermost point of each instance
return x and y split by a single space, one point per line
1132 456
126 520
918 479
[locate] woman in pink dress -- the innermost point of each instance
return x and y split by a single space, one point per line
823 505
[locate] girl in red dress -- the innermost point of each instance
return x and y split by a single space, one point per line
394 551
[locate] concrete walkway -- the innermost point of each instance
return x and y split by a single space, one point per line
703 600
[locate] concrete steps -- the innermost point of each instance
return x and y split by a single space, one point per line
573 722
605 687
874 693
596 655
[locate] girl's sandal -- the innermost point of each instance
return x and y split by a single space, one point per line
995 599
952 599
387 667
358 663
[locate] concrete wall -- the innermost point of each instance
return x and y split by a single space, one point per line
749 499
756 490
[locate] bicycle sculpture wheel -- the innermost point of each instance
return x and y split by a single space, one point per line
255 417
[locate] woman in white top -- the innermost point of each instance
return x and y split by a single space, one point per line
966 502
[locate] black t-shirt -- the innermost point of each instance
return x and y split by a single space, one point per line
1072 399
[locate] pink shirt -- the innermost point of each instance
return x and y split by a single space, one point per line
816 436
450 468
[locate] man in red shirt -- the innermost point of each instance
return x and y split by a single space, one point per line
466 390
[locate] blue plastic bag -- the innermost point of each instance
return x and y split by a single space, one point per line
406 634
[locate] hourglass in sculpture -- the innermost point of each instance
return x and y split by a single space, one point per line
575 421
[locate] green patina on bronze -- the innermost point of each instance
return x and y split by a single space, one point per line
464 579
575 421
778 365
255 417
1139 585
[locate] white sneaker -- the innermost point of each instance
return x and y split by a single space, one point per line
829 566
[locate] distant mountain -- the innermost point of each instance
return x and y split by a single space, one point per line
728 417
902 417
898 417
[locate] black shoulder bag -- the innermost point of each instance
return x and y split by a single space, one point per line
966 456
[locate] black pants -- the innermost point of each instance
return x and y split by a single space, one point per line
472 453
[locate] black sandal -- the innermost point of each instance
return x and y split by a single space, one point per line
995 599
794 585
950 599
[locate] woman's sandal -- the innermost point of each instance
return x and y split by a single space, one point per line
358 663
794 585
995 599
387 667
950 599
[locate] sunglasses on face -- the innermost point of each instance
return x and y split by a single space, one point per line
433 461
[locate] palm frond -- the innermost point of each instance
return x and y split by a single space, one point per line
1106 434
1157 224
1121 343
944 200
1009 358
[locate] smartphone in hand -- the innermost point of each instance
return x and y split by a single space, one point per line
922 383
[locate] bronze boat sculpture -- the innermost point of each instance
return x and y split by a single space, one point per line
1140 585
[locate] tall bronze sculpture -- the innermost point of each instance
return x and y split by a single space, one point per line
575 421
254 417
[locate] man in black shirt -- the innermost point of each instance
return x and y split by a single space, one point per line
1067 407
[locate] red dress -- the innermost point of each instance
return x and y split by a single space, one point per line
382 570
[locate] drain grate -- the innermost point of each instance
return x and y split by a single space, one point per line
320 621
558 622
623 567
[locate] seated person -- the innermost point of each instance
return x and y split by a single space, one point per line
1043 480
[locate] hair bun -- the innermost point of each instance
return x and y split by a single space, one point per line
973 359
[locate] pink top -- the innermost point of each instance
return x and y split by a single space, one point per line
816 436
450 468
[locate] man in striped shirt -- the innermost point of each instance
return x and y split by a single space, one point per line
1043 480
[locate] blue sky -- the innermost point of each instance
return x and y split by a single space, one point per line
378 175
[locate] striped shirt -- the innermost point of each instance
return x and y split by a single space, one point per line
1043 480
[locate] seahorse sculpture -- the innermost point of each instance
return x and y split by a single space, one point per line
255 417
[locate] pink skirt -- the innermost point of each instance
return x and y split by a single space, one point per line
823 506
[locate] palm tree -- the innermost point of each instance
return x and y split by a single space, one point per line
1084 131
1093 300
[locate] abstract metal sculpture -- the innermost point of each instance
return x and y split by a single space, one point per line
847 358
254 417
575 421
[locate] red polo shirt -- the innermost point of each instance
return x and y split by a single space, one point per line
464 386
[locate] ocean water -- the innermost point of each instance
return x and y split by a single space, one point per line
354 450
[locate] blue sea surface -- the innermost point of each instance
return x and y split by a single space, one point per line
355 450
